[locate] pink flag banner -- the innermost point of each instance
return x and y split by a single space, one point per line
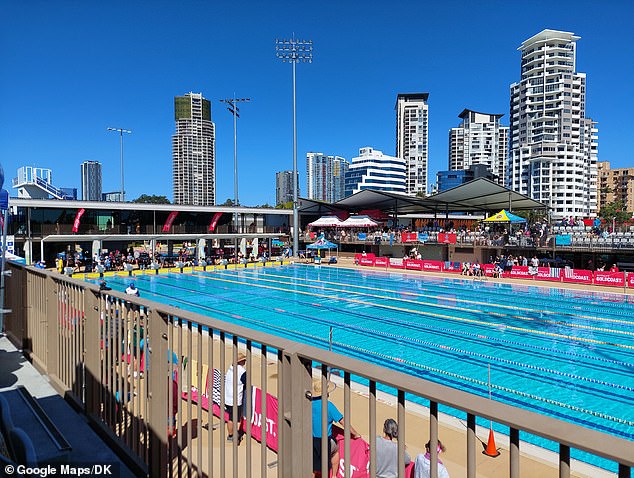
409 237
170 219
214 221
579 276
432 266
611 279
446 238
77 220
381 262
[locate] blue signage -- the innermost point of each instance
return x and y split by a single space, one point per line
4 199
563 240
362 236
423 237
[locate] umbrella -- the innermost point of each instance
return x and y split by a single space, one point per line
359 221
505 217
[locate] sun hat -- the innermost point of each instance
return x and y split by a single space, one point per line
317 387
241 357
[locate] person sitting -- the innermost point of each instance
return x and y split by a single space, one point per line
387 451
422 465
132 290
614 268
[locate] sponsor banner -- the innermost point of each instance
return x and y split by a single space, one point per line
214 221
409 237
413 264
396 263
169 221
423 237
357 257
488 269
446 238
613 279
578 276
77 220
366 261
271 418
452 267
362 236
548 273
434 266
520 272
381 261
563 240
630 279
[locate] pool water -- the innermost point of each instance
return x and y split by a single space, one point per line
561 352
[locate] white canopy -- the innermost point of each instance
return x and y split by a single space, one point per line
326 221
359 221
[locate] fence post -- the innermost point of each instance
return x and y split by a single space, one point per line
296 427
159 386
52 330
92 352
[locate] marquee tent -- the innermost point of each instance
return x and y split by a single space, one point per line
323 244
326 221
358 221
505 217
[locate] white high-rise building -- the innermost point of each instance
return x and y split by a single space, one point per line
194 151
91 181
553 146
325 177
412 138
480 139
374 170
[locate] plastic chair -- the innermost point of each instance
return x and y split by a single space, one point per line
22 446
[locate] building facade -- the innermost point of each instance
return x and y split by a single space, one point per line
91 188
454 178
374 170
412 138
284 187
615 185
553 146
480 139
325 177
194 151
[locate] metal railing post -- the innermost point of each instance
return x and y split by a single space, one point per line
52 335
160 387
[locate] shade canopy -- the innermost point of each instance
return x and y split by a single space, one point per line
505 217
326 221
322 243
359 221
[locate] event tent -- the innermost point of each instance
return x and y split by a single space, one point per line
505 217
323 243
326 221
359 221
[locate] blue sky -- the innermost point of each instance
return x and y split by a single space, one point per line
71 69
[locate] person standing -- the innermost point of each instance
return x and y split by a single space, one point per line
237 401
422 465
387 451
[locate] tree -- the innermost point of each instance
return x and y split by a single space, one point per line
285 205
614 211
153 199
228 202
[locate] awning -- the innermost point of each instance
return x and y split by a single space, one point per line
326 221
359 221
505 217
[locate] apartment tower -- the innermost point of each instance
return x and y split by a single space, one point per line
412 137
480 139
284 187
194 151
553 146
91 181
325 177
377 171
615 185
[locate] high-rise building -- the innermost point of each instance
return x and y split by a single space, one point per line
284 187
194 151
374 170
325 177
412 138
91 181
450 179
615 185
480 139
553 146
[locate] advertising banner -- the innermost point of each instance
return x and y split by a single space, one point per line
413 264
630 279
519 272
366 261
77 220
612 279
381 262
362 236
396 263
446 238
563 239
488 269
548 273
214 221
271 418
578 276
455 267
423 237
433 266
409 237
169 221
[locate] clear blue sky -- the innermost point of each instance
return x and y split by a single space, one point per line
70 69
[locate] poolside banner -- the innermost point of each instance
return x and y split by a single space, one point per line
432 266
214 221
520 272
454 267
613 279
630 279
548 273
446 238
413 264
169 221
366 261
381 262
487 269
77 220
396 263
579 276
271 418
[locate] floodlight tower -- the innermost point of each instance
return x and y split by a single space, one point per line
294 51
121 131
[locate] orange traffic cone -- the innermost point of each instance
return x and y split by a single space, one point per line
491 450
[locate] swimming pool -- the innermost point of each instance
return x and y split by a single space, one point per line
561 352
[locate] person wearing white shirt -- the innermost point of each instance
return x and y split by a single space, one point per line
422 465
230 402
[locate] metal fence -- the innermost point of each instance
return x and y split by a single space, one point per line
133 366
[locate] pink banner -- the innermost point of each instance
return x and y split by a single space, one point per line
409 237
381 261
396 263
578 276
520 272
366 261
169 221
612 279
630 279
446 238
413 264
77 220
271 418
433 266
548 273
488 269
359 455
214 221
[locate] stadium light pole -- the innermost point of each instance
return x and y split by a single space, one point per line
232 107
121 131
294 51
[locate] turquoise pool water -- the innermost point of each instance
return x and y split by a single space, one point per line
565 353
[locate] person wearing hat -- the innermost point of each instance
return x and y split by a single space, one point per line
238 400
387 451
132 290
334 415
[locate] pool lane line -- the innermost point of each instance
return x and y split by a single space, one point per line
372 332
467 301
441 306
398 360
